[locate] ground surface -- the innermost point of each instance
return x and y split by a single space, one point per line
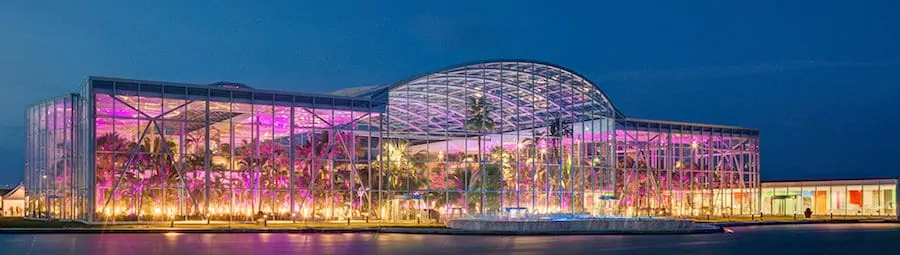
785 218
785 239
21 223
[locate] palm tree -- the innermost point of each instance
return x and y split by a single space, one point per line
151 158
248 164
457 181
402 164
260 163
539 174
107 146
402 170
479 114
315 154
193 179
349 176
560 130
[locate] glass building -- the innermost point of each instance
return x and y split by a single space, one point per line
484 138
858 197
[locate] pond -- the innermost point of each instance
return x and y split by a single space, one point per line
794 239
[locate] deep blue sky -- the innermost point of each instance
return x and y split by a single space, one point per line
819 78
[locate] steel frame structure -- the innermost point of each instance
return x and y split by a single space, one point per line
480 138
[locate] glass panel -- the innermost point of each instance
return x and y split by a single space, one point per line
503 138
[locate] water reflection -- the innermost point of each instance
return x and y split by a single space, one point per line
808 239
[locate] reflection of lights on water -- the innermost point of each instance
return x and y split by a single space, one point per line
171 234
264 237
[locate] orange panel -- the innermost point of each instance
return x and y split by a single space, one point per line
856 197
821 201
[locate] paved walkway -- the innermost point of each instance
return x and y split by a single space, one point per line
363 227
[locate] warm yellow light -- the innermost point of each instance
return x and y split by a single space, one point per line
544 150
694 145
157 211
306 212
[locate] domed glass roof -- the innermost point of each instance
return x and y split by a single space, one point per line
519 94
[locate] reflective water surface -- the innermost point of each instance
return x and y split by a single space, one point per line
798 239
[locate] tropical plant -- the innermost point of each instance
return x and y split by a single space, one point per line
314 154
403 167
479 112
559 130
109 146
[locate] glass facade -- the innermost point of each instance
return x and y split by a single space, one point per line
682 169
872 197
479 139
485 138
56 184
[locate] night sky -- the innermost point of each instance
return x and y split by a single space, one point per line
819 78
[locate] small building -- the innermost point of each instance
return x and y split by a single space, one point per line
12 201
847 197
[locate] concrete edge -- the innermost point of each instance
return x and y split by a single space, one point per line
386 230
182 230
805 222
449 231
712 228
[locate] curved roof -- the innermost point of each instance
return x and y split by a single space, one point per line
520 93
352 91
233 85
